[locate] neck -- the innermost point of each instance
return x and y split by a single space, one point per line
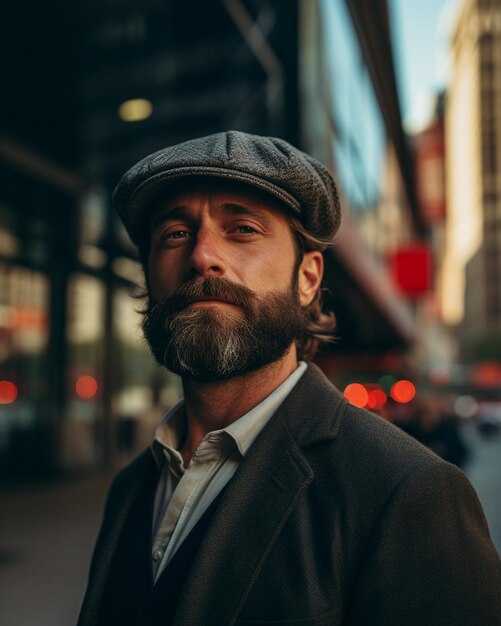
214 405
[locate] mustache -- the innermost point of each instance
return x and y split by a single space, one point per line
211 288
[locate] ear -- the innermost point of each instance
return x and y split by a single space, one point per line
310 276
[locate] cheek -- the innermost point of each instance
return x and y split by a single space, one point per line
273 273
163 276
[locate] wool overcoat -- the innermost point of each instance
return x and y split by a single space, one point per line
334 517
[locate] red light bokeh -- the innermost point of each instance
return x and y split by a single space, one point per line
86 387
377 399
8 392
356 394
403 391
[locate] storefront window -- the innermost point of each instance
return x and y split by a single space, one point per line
92 230
85 332
23 361
144 390
79 430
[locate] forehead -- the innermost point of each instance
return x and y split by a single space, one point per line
229 196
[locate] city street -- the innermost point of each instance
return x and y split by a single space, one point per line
47 534
484 471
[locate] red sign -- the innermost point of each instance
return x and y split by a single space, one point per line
412 269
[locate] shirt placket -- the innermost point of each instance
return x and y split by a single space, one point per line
184 498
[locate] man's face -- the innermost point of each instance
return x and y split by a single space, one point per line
225 296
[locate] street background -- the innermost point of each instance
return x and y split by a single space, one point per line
400 99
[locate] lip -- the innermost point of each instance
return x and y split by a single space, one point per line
208 302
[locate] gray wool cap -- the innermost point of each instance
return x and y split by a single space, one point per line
272 165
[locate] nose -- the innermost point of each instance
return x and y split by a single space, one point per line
206 257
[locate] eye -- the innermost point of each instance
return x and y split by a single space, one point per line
174 237
245 230
177 234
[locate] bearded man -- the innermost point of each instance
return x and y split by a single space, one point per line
265 497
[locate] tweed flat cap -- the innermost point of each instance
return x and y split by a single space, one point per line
300 182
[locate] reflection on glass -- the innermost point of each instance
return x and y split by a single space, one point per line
360 140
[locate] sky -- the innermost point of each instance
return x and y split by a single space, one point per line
421 32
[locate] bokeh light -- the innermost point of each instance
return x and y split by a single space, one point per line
403 391
8 392
439 376
86 387
356 394
465 406
377 399
135 110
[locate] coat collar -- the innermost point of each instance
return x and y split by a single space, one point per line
260 498
314 408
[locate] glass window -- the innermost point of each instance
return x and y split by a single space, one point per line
359 143
10 245
144 391
85 333
24 319
92 231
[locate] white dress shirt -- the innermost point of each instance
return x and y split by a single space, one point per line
184 493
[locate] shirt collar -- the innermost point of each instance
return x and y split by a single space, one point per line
243 431
169 433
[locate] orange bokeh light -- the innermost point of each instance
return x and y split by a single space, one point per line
377 399
8 392
86 387
403 391
356 394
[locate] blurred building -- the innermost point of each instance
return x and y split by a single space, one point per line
439 343
92 87
472 270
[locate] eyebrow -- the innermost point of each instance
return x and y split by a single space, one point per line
229 208
164 214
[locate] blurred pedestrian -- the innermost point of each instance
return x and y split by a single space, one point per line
429 421
265 497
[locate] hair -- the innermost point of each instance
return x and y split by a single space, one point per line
319 322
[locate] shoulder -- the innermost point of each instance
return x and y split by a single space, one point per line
359 455
351 433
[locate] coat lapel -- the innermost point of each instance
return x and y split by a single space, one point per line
126 488
257 503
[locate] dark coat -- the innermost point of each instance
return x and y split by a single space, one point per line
333 517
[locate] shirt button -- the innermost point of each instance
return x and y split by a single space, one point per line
157 554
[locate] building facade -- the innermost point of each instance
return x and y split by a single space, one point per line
472 270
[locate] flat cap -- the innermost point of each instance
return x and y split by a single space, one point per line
300 182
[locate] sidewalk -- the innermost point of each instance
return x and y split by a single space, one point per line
47 534
46 538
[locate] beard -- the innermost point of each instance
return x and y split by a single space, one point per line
220 342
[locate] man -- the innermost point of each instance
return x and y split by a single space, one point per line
266 498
